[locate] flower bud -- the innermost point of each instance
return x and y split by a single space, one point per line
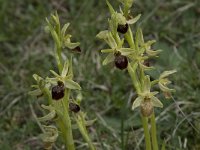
121 61
77 49
122 28
74 107
146 108
58 91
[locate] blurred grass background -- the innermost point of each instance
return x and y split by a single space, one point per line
26 49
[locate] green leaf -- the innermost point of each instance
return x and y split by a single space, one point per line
109 58
134 20
137 102
156 102
70 84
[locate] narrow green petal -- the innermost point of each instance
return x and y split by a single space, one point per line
137 102
147 84
36 92
63 31
52 80
126 51
54 73
107 50
109 58
156 102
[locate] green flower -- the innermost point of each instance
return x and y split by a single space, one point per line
59 35
146 99
49 136
114 47
164 82
40 88
118 21
65 77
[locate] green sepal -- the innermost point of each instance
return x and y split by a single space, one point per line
153 52
109 58
167 73
134 20
51 115
50 134
156 102
70 84
137 102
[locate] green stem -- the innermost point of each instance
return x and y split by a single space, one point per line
153 132
67 121
129 38
146 133
81 124
123 109
88 140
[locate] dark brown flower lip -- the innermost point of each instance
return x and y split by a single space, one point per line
74 107
122 28
121 61
58 91
146 108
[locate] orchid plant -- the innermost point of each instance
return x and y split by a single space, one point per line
65 112
133 58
